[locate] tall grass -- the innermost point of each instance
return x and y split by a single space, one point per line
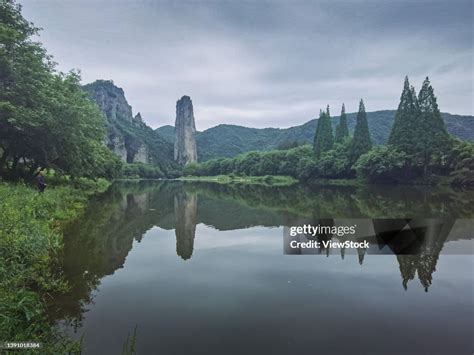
30 244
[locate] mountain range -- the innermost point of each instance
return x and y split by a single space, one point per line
230 140
134 141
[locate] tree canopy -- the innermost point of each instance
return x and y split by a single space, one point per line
342 130
361 142
45 117
418 129
323 139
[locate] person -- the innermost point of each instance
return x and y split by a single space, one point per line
40 181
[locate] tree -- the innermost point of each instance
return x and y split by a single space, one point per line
342 131
405 131
419 129
433 139
361 142
45 117
323 139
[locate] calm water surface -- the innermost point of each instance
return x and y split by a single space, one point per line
199 269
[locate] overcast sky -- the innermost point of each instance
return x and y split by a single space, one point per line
263 63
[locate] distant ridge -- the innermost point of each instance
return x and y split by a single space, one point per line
228 141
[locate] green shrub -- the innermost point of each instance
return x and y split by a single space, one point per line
382 163
140 170
30 244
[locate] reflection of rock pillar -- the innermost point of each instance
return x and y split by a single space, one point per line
185 211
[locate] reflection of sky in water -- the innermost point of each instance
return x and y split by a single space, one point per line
239 294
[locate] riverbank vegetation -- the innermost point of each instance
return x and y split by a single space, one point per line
30 251
419 150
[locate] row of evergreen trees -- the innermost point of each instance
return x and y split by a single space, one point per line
325 141
418 145
418 129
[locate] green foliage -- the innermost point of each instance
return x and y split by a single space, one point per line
361 142
433 140
45 117
288 145
140 170
460 161
307 168
191 169
335 163
228 141
404 130
342 130
419 129
323 138
275 162
30 246
381 164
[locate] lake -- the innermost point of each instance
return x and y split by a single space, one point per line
200 268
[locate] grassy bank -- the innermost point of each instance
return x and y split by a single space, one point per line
268 180
30 245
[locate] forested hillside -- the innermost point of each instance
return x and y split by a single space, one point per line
230 140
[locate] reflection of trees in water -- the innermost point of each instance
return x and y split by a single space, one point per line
98 243
424 263
323 236
346 201
414 201
416 243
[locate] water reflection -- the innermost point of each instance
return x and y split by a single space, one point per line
185 212
97 244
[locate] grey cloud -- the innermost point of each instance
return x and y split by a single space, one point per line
263 63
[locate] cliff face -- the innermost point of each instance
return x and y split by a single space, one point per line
128 136
185 150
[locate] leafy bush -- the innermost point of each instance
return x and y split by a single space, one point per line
335 163
274 162
382 163
140 170
461 161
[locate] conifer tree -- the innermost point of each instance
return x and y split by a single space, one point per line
323 139
418 129
433 136
361 142
405 131
342 131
